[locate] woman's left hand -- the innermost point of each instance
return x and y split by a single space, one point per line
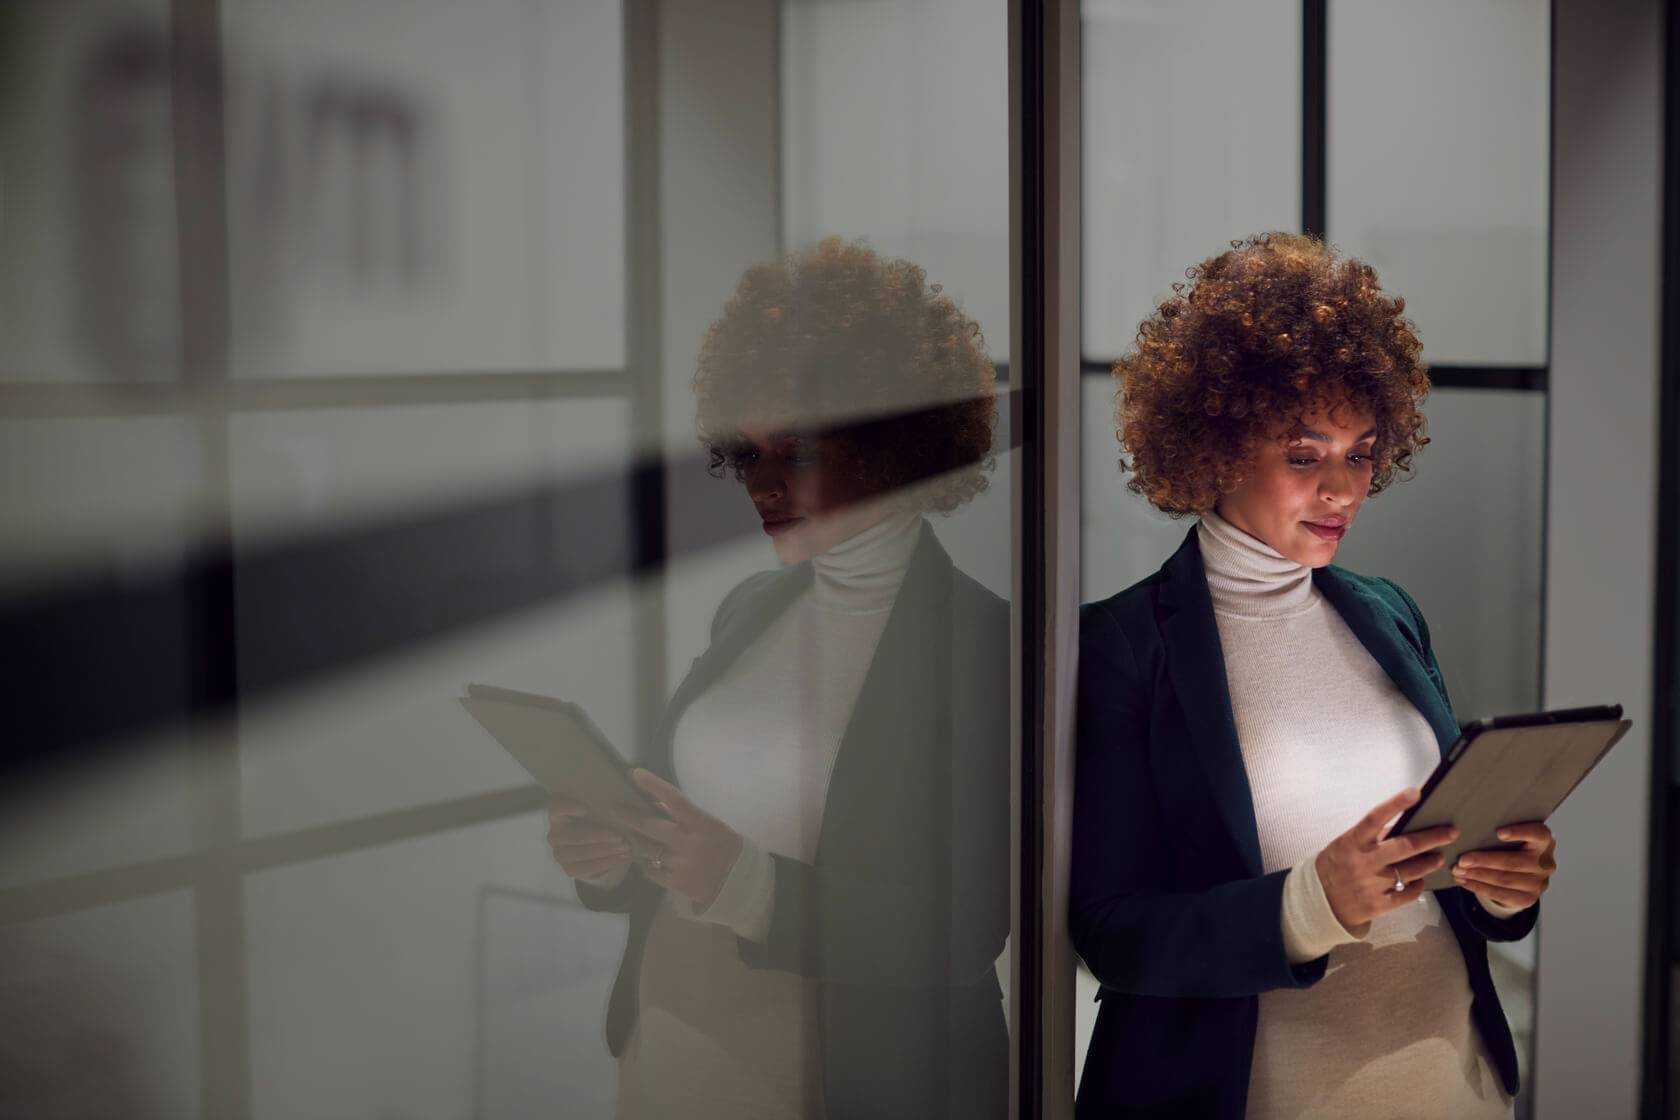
1515 878
697 849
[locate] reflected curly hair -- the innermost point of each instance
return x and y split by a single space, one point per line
839 340
1277 328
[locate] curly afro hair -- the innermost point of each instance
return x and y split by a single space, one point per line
1275 329
837 340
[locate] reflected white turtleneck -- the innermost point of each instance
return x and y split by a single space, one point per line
1325 735
714 1039
756 748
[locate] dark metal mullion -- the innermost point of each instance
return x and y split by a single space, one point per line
1027 419
1661 943
1522 378
1315 72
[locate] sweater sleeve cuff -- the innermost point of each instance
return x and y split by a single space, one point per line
744 901
1310 926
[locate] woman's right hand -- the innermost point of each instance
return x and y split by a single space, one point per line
1358 867
583 847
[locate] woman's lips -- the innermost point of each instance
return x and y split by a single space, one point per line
776 526
1325 534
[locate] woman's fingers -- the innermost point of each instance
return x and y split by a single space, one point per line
591 868
1524 860
654 828
1419 866
1399 848
1535 835
1370 827
574 831
561 807
667 796
1528 882
566 853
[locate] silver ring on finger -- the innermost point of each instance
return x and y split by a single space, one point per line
656 861
1399 882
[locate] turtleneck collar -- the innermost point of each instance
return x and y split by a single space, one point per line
1249 578
861 574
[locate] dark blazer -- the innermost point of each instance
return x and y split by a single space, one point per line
1168 902
907 904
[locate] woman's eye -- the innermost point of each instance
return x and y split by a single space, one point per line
802 455
1307 462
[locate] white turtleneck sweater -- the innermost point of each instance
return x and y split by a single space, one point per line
1325 735
714 1038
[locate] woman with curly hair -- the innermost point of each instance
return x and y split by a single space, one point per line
816 935
1245 717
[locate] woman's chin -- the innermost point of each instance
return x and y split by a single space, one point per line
793 546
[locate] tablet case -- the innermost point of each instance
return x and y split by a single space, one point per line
1507 770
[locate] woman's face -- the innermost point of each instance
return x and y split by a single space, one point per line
806 503
1302 494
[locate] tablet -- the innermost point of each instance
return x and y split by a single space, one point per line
559 746
1509 770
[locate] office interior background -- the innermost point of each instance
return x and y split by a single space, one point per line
346 357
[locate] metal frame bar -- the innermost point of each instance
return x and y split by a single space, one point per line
1315 126
1044 73
1658 1093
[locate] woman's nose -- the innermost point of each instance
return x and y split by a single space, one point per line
765 482
1340 486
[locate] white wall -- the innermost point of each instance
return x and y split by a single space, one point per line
1600 546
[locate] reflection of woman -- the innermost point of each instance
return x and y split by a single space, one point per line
1244 706
820 938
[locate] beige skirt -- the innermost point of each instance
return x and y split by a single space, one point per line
714 1038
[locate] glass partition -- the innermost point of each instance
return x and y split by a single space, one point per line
510 546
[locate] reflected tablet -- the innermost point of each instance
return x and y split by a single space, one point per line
1509 770
560 746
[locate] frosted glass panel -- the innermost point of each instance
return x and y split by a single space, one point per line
418 978
1179 156
425 187
1438 173
889 131
386 733
88 230
102 1012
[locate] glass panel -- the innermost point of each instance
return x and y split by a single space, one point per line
1178 155
1458 222
102 1012
437 939
911 159
90 291
426 187
579 349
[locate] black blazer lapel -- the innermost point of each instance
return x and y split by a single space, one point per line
1196 664
906 686
1374 623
